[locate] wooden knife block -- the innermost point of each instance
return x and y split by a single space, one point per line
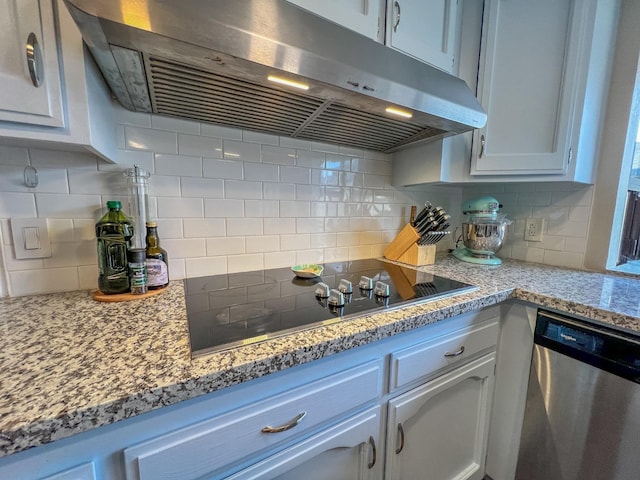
404 249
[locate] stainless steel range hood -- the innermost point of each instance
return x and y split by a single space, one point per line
210 60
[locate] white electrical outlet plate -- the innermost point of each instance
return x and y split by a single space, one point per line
30 238
533 229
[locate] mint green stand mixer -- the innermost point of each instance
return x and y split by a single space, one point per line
483 231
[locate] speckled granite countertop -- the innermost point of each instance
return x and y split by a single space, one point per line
69 364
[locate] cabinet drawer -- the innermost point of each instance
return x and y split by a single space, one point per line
426 358
208 446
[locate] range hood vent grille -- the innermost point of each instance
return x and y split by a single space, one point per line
194 93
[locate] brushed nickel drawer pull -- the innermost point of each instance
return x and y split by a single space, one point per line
374 452
401 433
455 354
287 426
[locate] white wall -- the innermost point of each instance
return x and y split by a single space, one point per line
226 200
566 208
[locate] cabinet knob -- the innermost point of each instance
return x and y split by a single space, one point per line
396 22
34 60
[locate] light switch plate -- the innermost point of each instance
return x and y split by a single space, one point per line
30 238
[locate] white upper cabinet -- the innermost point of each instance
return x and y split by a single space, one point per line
543 74
424 29
29 72
362 16
51 90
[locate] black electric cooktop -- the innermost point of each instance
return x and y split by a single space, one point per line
234 309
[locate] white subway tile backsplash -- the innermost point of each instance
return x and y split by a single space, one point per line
171 124
51 205
200 267
180 207
47 280
300 175
279 259
307 158
204 227
244 226
128 158
157 141
14 156
261 172
200 146
13 265
127 117
214 208
295 242
201 187
72 254
225 246
212 130
232 200
279 226
278 155
244 263
88 181
564 259
185 248
50 180
337 162
178 165
242 189
226 169
234 150
62 159
261 208
294 208
62 231
309 225
264 243
165 185
324 177
278 191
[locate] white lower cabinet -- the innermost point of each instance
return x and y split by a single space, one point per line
350 450
439 430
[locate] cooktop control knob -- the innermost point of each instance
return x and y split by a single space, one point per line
336 298
365 283
381 290
345 286
322 290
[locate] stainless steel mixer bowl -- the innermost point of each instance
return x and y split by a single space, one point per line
484 240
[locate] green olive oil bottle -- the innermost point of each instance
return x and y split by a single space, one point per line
113 232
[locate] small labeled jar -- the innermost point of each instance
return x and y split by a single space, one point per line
138 271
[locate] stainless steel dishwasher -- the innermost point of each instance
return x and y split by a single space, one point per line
582 416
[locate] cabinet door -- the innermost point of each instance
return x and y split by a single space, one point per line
528 84
441 426
32 97
425 29
362 16
350 450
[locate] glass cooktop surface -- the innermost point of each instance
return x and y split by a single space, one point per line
234 309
